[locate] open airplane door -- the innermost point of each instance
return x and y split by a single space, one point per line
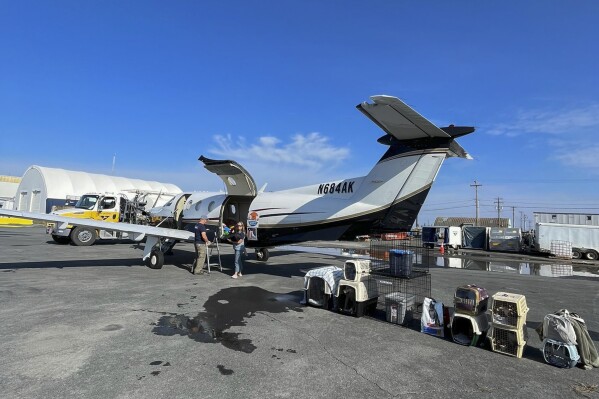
241 189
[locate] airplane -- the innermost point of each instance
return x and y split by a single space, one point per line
387 199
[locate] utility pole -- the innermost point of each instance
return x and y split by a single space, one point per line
476 185
499 208
513 215
521 225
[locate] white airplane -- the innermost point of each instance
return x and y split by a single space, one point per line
388 198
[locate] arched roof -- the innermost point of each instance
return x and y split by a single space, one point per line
59 182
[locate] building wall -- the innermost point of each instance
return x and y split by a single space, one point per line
567 218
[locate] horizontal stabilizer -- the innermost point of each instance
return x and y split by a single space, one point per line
404 125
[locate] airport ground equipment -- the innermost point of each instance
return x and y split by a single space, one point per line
107 207
584 239
505 239
508 323
435 236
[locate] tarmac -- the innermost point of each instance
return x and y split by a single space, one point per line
94 322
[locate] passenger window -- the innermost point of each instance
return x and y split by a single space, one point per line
211 206
198 204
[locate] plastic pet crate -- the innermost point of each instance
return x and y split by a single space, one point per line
469 330
401 262
509 310
508 341
470 300
560 354
354 269
356 298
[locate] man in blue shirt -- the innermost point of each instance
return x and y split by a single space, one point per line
201 239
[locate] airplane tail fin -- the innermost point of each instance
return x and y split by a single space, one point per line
402 178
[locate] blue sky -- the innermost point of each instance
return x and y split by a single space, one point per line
274 84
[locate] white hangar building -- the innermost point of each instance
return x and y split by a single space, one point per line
8 189
42 188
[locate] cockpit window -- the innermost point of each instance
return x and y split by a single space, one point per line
87 202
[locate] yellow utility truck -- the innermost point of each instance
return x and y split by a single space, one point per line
107 207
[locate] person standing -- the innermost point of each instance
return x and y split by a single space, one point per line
238 241
201 241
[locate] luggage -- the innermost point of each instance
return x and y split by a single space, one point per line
471 300
560 354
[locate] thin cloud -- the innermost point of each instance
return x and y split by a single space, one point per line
572 121
311 151
578 155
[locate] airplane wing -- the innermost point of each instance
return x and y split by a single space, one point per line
235 177
399 120
136 230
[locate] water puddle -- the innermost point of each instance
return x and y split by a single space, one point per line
482 261
230 307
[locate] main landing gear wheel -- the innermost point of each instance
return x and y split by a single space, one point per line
83 236
576 254
155 260
262 254
591 255
61 239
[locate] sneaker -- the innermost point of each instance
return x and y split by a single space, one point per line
239 274
234 276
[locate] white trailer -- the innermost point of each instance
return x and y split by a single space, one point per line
584 239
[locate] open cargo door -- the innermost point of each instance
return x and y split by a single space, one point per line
241 189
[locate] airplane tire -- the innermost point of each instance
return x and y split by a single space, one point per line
576 254
61 239
591 255
262 254
83 236
155 260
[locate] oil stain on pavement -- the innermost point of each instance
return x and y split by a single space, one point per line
228 308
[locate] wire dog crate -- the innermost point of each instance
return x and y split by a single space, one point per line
400 298
399 258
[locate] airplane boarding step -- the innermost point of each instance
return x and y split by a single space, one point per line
209 250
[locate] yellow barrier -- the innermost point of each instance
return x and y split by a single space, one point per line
8 221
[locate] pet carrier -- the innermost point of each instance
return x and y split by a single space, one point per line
509 310
469 330
401 262
356 297
399 307
509 341
470 299
560 354
354 269
320 285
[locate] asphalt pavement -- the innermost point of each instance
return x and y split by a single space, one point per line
94 322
